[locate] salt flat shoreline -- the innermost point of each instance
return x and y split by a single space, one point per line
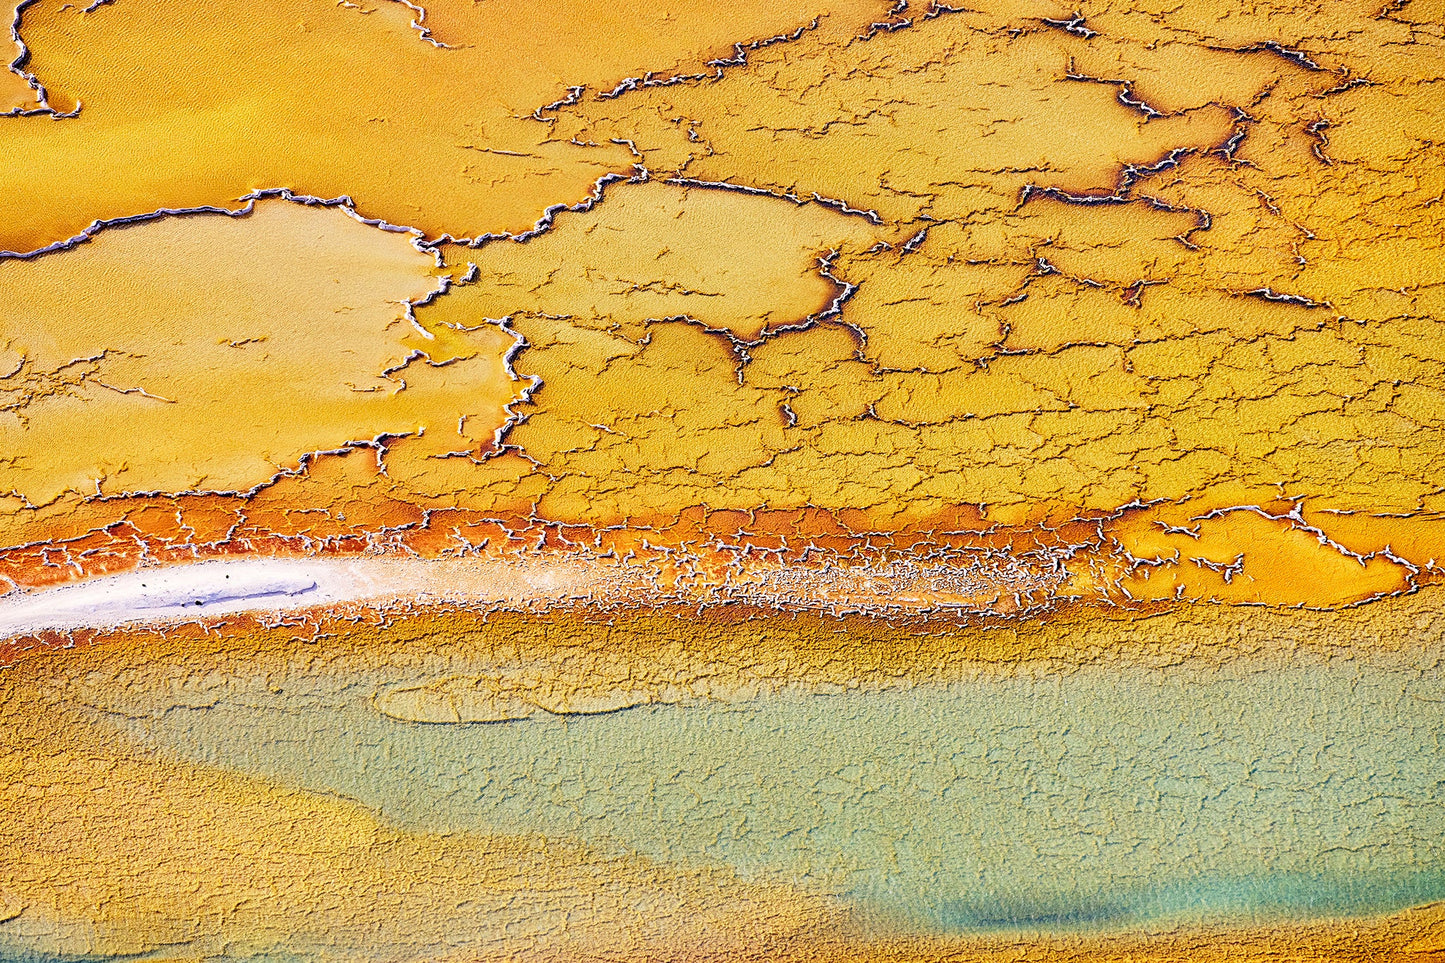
256 585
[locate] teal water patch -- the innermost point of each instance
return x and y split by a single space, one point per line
1095 799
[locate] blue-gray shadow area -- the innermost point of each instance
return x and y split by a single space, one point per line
962 915
1261 899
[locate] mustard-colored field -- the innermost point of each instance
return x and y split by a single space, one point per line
1096 348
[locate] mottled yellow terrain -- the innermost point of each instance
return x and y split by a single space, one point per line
1036 266
1039 341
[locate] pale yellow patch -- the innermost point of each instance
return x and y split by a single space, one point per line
209 352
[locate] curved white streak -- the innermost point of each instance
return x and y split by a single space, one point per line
204 590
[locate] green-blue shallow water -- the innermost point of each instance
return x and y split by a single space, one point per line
1096 799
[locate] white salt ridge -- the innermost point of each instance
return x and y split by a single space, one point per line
203 590
200 590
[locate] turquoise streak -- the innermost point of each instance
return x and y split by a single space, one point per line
1096 799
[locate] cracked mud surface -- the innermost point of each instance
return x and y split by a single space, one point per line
1238 221
937 317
